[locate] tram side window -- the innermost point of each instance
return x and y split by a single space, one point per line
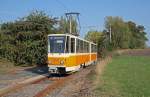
91 48
77 45
94 48
72 45
81 46
83 50
87 47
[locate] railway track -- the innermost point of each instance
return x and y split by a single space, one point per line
19 85
57 81
39 86
66 86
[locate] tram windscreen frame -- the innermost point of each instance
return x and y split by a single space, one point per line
57 44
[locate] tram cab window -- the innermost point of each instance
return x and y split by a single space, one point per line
57 44
72 45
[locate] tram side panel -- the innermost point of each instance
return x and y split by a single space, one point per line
82 59
71 63
75 61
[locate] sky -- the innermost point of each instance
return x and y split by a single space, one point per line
92 12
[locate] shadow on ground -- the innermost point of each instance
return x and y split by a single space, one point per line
38 70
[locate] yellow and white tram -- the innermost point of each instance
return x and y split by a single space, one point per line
69 53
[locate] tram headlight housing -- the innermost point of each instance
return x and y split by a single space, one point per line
49 62
62 62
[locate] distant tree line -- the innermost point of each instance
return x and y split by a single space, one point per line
124 35
24 41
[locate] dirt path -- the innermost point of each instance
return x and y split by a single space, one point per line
78 86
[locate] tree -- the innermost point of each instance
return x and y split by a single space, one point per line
25 41
64 26
93 36
119 32
98 38
138 36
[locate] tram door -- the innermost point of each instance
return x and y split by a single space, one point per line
72 51
72 45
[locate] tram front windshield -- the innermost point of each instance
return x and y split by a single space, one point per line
57 44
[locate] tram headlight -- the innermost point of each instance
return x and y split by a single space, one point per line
49 62
61 62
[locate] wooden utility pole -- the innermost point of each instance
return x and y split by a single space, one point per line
110 33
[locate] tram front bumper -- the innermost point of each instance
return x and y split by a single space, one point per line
57 69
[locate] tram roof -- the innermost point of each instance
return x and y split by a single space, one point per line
72 36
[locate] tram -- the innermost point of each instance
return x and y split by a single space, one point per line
67 53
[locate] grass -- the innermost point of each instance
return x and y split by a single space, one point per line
125 76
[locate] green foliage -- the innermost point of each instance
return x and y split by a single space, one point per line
25 40
120 32
64 26
138 36
125 34
93 36
98 38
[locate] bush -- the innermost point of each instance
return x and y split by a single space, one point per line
25 41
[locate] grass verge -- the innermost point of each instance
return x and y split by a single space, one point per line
125 76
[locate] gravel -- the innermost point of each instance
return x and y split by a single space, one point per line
28 91
20 74
78 86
